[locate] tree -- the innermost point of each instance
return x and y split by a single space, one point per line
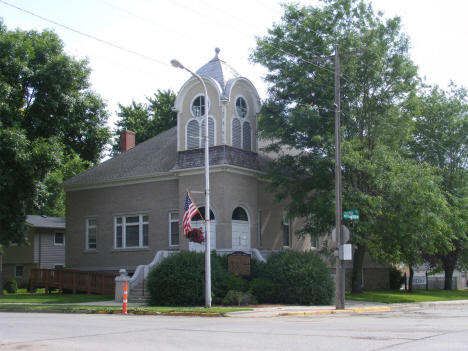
23 165
50 120
145 120
47 93
376 90
440 139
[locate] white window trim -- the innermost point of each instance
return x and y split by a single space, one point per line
242 122
59 265
63 234
201 131
87 233
246 104
124 234
19 276
170 227
206 104
287 222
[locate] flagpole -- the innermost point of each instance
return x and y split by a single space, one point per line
177 64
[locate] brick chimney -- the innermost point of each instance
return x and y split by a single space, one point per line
127 140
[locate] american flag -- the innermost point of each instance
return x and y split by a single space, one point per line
189 211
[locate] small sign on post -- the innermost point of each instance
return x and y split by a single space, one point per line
353 214
239 264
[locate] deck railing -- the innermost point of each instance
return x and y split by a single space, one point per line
76 281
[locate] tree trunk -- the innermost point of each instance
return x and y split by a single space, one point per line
356 287
410 282
1 273
448 277
449 261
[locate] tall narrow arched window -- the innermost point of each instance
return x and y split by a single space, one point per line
246 136
236 133
211 132
193 134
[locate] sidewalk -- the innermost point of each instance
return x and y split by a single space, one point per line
292 311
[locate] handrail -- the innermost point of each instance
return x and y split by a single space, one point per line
60 278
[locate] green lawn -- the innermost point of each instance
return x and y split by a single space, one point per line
23 300
402 296
22 296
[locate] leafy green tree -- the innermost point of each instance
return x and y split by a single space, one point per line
147 120
47 93
376 88
440 139
50 121
23 166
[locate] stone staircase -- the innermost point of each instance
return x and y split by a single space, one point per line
138 294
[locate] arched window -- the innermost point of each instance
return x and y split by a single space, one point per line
196 133
193 134
239 214
198 106
241 107
236 133
202 211
246 136
211 132
241 134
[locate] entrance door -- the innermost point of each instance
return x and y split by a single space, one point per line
198 222
240 230
201 247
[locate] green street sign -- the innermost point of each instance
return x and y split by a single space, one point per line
353 214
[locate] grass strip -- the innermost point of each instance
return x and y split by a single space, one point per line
403 296
116 309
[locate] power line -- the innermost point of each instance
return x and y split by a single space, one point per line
87 35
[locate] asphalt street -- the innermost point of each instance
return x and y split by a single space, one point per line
441 327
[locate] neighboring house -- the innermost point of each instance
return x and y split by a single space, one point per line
46 249
125 210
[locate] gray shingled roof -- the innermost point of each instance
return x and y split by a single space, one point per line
219 70
46 222
155 155
159 155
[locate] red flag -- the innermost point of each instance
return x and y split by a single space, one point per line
189 211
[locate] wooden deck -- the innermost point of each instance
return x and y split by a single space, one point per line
76 281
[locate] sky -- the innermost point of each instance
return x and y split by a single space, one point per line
152 32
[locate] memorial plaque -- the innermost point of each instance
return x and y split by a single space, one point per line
239 264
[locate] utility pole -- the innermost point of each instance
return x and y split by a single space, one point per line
340 276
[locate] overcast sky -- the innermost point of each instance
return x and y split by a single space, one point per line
189 30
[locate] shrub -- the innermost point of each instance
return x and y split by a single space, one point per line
233 282
11 286
299 278
179 280
396 278
238 298
263 289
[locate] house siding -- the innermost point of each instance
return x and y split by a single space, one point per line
20 254
49 254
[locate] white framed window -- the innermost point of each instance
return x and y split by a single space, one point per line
59 266
286 230
131 231
173 228
59 238
197 107
18 271
241 107
241 134
195 133
91 234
